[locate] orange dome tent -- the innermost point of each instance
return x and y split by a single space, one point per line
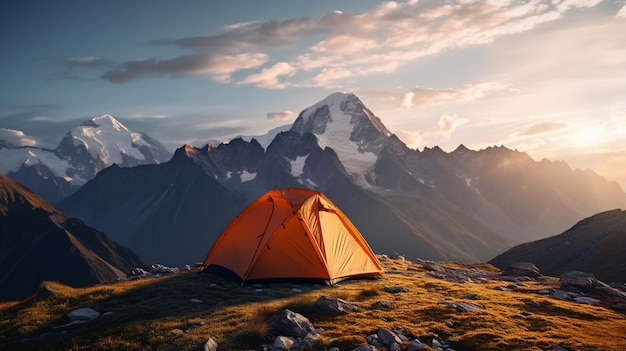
292 233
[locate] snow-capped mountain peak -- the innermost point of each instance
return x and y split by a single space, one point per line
343 123
107 139
105 121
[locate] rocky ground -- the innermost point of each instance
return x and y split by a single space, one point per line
419 305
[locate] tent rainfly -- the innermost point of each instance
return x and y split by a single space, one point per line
292 233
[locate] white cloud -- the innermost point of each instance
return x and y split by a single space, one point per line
380 40
16 138
573 4
219 68
541 128
407 102
431 96
328 77
621 13
448 124
268 77
283 115
344 44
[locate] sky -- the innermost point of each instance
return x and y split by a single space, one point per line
544 77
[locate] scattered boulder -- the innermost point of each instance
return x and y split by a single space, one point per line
383 304
210 345
387 337
527 269
84 314
334 305
397 256
283 343
289 323
365 348
415 345
578 279
46 291
461 306
587 300
395 289
619 306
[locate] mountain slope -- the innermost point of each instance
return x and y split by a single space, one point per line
39 243
594 245
169 213
83 152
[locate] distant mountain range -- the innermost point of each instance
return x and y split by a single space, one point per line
596 245
465 205
84 151
37 243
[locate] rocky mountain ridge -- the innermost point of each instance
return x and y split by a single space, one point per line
464 205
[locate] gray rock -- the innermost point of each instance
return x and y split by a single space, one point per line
436 344
470 296
433 266
394 347
465 307
289 323
47 291
196 301
365 348
578 279
402 337
387 337
587 300
371 338
283 343
564 295
383 304
210 345
85 314
461 306
619 306
556 347
335 305
395 289
397 256
524 269
415 345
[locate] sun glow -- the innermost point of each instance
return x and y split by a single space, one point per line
589 136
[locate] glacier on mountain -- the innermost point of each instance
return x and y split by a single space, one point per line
106 138
344 124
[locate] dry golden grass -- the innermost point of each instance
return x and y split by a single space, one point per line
149 314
